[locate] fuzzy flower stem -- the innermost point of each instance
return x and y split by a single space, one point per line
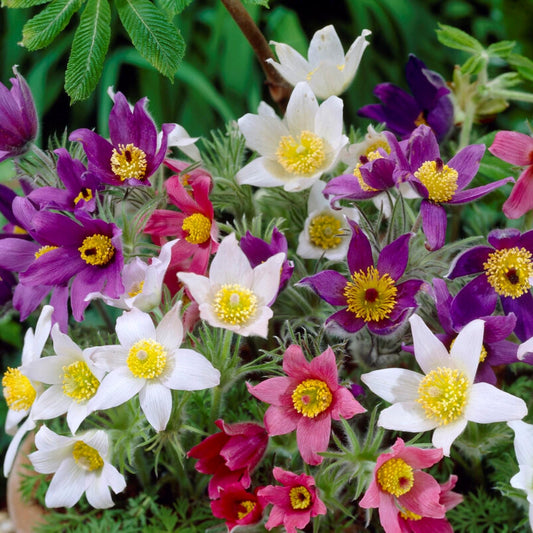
466 128
417 223
279 89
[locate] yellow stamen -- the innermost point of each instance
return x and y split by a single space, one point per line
247 507
18 390
302 155
87 457
43 249
325 231
128 162
508 271
198 227
97 250
421 119
440 180
234 304
136 289
79 383
311 397
300 498
84 196
373 147
371 156
409 515
395 476
17 230
147 359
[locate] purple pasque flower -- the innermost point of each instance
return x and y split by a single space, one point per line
7 283
87 251
430 102
134 151
505 271
12 228
81 187
373 295
419 161
18 117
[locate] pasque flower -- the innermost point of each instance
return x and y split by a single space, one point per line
18 117
296 150
373 295
237 506
80 465
445 397
306 400
327 70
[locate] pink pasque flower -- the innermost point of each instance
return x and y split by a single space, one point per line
294 503
399 486
306 401
516 148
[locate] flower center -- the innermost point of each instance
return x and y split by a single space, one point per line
18 390
234 304
509 271
87 457
324 232
147 359
136 288
43 249
395 476
440 180
442 394
79 383
97 250
311 397
247 507
84 196
370 296
128 162
373 147
370 156
301 155
421 119
300 498
198 227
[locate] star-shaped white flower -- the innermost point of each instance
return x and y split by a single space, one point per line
150 362
446 397
236 296
80 465
296 150
328 71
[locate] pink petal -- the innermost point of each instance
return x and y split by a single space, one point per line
324 367
270 390
424 496
295 363
513 147
345 405
279 421
520 200
312 436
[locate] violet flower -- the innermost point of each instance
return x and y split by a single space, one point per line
436 182
430 102
505 271
134 152
12 228
18 117
7 283
373 295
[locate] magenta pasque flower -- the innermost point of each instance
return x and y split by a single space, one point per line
295 502
306 400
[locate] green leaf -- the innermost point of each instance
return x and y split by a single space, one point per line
263 3
89 48
501 49
156 39
174 7
42 29
458 39
474 65
523 65
23 3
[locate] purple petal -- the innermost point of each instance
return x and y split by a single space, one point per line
522 307
501 352
393 258
26 299
17 254
359 250
347 321
470 195
346 186
423 146
55 267
476 298
443 302
466 162
440 118
329 285
434 224
498 328
504 238
470 262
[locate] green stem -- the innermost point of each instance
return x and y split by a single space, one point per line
511 95
466 128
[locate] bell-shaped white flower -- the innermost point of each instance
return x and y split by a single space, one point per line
327 70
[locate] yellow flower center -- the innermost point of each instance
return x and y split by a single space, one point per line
509 270
79 383
371 156
440 180
300 498
235 304
128 162
198 227
247 507
18 390
409 515
84 196
373 147
395 476
147 359
421 119
311 397
87 457
443 394
325 231
97 250
43 249
136 289
302 155
370 296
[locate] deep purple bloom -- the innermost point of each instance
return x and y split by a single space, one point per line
18 117
505 270
88 252
81 187
372 295
134 152
430 102
419 161
7 284
12 228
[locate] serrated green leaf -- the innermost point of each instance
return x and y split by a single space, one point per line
523 65
156 39
474 65
501 49
458 39
89 48
23 3
174 7
42 29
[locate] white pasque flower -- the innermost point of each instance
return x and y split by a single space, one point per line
296 150
143 282
524 455
150 362
20 391
326 231
236 296
328 71
74 380
80 465
446 397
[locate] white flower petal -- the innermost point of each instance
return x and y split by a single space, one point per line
525 348
301 109
132 326
393 384
67 485
51 403
64 345
487 404
156 403
262 133
49 369
98 494
266 278
116 388
76 414
292 65
328 122
467 348
259 173
430 353
97 439
522 442
13 447
199 286
443 436
13 419
405 416
354 55
230 264
325 46
52 450
113 478
191 371
107 358
34 343
169 331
